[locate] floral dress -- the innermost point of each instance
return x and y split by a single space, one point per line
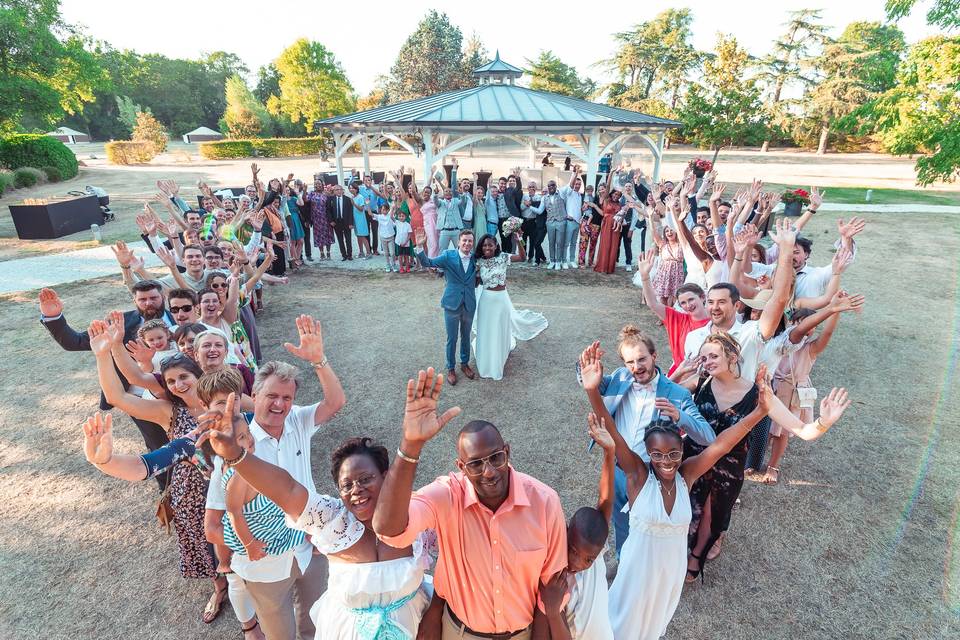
670 272
322 231
188 497
723 482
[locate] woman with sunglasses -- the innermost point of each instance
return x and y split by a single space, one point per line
233 297
374 590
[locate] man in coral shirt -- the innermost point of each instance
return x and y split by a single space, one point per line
501 532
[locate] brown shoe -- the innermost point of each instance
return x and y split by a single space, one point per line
467 371
451 377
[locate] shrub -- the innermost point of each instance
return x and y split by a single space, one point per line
6 182
37 150
27 177
53 174
149 129
129 152
261 147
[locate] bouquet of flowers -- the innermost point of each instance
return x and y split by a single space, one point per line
511 225
700 166
797 195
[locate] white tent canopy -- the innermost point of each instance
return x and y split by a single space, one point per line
203 133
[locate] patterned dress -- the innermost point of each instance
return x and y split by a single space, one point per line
724 481
670 272
188 496
322 231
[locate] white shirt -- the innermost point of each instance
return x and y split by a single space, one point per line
747 334
573 202
292 454
635 413
403 230
464 260
587 611
387 227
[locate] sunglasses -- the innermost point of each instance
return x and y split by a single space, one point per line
177 357
187 308
218 286
497 460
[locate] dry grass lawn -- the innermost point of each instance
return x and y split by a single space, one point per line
858 541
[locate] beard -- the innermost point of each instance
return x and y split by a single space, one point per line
151 313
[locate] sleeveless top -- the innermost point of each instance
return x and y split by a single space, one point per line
266 522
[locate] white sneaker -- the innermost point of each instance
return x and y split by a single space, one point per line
629 268
571 265
553 266
388 269
564 265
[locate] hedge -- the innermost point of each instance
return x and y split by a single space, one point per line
6 182
37 150
27 177
261 148
53 174
129 152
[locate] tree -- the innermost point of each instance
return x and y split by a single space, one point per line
268 83
431 60
549 73
855 69
312 84
725 109
921 113
474 55
791 56
127 113
943 13
244 116
148 129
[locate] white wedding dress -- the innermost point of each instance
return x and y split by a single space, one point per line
496 324
653 563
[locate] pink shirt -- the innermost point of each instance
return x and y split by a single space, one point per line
490 564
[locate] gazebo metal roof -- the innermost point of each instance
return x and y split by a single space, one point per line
497 66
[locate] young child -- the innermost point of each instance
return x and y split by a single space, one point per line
387 234
404 248
155 334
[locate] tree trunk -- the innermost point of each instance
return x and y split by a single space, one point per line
715 154
824 134
765 146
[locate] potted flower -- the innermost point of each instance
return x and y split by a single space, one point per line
700 166
794 201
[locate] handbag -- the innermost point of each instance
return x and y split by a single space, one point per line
164 507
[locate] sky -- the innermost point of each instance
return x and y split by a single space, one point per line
367 37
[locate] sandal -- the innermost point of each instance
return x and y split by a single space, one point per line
214 605
693 574
717 547
246 630
773 475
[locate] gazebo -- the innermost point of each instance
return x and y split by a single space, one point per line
447 122
68 135
202 134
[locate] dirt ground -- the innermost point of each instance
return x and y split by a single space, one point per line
130 187
858 540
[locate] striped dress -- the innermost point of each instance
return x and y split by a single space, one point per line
266 522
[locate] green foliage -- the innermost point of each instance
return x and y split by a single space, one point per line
244 117
148 129
52 173
921 113
6 182
268 83
129 151
37 150
432 60
725 109
27 177
313 84
127 113
262 148
549 73
943 13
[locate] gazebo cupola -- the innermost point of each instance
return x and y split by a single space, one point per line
497 72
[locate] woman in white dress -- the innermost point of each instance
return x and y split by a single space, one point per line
374 592
653 561
497 325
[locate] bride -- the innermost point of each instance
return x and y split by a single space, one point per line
497 325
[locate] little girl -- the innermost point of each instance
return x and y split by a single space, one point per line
387 234
404 248
253 526
155 334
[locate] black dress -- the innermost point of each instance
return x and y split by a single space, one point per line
724 481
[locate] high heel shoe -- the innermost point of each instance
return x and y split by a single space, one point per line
693 574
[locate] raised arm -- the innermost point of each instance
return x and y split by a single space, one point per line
841 302
600 434
831 408
644 266
785 236
743 241
310 350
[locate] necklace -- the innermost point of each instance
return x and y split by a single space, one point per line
670 492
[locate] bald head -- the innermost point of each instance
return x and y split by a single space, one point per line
479 433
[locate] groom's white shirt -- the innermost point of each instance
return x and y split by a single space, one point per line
464 260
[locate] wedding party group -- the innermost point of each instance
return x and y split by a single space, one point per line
485 551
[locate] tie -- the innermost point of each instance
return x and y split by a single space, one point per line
643 387
340 208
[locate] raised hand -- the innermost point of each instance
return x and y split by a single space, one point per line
841 260
849 229
843 301
718 190
50 304
98 438
597 428
217 428
765 392
784 234
166 257
99 338
123 254
311 340
591 367
115 329
254 169
816 198
140 352
645 262
420 419
833 406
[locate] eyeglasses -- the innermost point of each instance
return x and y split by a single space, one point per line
673 456
361 483
177 357
187 308
497 460
218 286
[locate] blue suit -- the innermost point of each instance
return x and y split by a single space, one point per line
614 388
459 301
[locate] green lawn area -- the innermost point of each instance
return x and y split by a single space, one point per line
858 195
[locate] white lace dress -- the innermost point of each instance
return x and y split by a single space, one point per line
653 563
365 601
496 324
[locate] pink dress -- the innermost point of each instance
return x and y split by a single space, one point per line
794 371
428 211
670 272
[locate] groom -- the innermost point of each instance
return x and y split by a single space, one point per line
459 297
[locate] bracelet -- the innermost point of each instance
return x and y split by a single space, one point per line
406 458
321 364
820 426
126 268
736 259
237 460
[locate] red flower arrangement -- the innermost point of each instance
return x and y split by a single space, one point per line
797 195
700 165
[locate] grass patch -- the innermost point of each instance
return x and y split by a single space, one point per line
858 195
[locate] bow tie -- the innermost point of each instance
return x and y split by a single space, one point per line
637 386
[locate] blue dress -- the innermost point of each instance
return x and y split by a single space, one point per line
360 217
293 219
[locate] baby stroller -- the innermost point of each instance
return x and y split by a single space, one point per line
102 198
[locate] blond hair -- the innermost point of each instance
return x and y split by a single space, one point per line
729 345
150 325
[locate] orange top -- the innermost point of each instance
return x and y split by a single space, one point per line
490 564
